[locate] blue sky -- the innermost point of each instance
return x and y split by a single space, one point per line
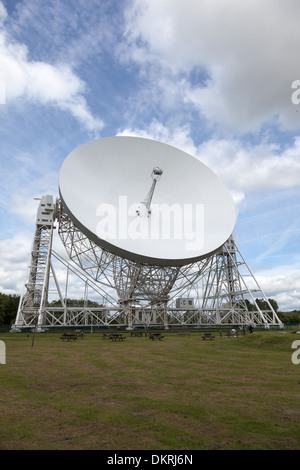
212 78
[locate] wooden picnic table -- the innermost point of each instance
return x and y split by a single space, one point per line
136 333
154 336
208 336
117 337
69 336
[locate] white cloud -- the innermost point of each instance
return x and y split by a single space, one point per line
179 137
43 83
242 168
283 285
14 255
247 50
245 168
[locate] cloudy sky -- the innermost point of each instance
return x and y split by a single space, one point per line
211 77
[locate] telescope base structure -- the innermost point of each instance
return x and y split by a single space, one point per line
115 292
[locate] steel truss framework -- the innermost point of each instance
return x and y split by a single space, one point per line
131 295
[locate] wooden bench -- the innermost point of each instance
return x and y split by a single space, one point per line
208 336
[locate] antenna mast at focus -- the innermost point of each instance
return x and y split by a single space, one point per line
155 175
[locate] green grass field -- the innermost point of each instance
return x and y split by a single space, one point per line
181 393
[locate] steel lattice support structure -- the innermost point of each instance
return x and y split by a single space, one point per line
227 283
213 291
35 294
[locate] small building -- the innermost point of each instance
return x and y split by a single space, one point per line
184 303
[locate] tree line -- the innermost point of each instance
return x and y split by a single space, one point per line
285 317
9 306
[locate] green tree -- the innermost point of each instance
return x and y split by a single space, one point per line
8 308
263 304
75 303
249 305
290 317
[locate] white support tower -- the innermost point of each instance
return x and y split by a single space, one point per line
35 293
230 292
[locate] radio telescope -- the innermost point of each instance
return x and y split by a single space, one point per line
148 229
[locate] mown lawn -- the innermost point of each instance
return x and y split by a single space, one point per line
181 393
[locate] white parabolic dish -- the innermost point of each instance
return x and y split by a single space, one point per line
103 183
